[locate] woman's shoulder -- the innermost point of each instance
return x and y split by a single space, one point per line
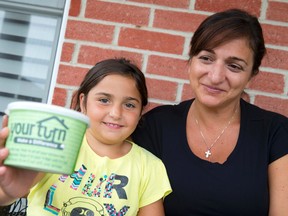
255 112
170 108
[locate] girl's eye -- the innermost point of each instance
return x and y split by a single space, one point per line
130 105
104 100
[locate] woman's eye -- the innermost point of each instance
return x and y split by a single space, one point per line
205 58
235 67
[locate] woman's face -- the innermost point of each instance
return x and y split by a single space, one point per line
219 76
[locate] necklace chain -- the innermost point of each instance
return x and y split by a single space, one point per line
208 153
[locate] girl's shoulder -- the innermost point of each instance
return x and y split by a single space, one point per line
142 154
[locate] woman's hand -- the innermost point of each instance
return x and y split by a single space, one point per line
14 182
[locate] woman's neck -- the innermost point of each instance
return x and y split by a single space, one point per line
215 115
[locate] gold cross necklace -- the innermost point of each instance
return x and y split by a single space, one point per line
208 152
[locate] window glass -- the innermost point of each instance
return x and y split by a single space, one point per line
49 3
29 38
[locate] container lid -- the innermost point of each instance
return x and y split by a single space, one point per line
25 105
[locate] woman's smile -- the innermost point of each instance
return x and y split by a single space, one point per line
213 89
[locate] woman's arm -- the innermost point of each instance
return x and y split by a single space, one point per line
155 209
278 187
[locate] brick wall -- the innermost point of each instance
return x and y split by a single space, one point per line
156 35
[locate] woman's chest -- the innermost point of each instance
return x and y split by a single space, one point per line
202 188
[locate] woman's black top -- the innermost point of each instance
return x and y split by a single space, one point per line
239 186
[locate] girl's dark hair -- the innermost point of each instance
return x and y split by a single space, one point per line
225 26
120 66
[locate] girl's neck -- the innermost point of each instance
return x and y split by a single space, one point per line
112 151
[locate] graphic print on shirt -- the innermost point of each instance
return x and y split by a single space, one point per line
88 204
88 207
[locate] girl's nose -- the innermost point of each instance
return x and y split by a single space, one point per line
115 112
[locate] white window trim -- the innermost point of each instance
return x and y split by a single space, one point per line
58 53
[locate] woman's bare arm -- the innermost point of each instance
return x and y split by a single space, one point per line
278 187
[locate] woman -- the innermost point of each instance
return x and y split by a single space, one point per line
223 155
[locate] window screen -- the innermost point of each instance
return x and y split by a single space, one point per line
29 42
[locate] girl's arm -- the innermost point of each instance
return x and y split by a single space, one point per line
278 187
14 182
155 209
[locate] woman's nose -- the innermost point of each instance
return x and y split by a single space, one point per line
217 73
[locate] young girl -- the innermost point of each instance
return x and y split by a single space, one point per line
113 176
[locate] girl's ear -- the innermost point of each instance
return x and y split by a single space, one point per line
82 103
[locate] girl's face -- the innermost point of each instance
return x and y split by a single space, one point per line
114 108
219 76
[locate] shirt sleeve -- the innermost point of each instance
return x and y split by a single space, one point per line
155 184
278 138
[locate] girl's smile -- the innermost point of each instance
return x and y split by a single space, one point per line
114 108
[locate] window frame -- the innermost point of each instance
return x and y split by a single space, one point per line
57 11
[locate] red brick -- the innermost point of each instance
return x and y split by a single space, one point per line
67 52
69 75
168 3
160 89
273 104
276 59
117 12
277 11
179 21
268 82
91 55
253 6
59 96
154 41
276 35
86 31
75 7
166 66
83 32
